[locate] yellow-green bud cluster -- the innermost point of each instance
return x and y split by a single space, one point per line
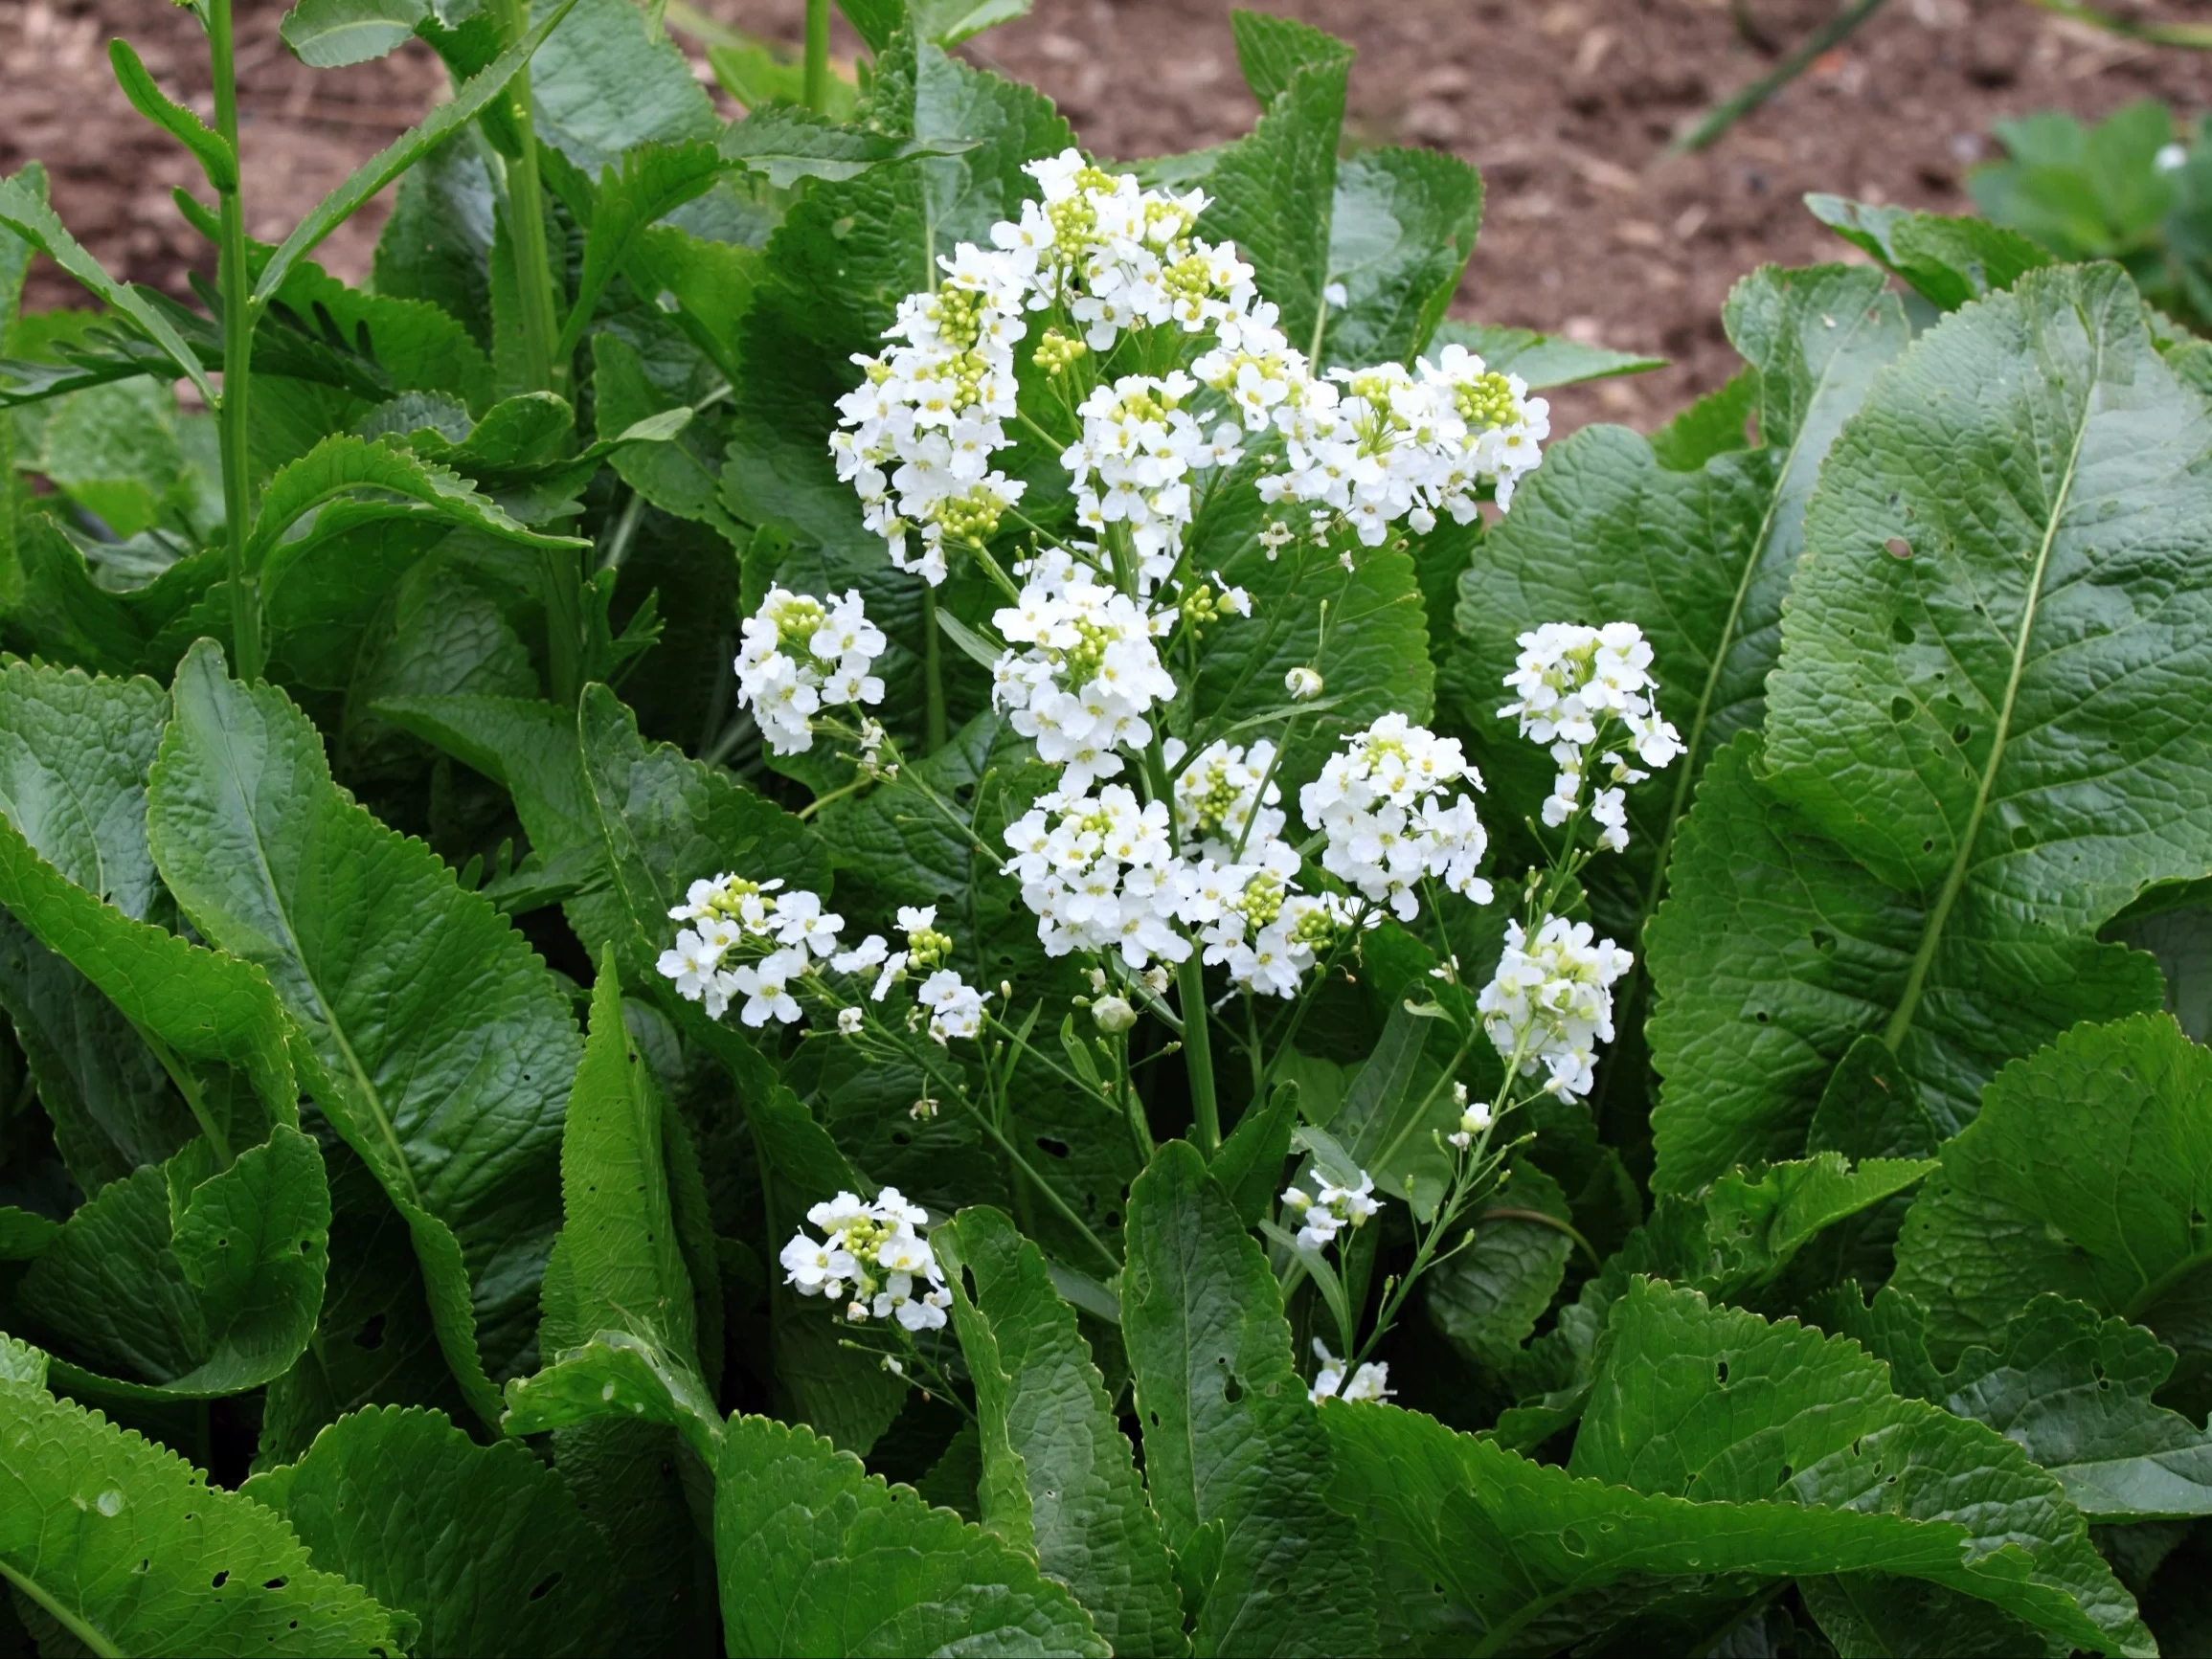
1211 806
1057 351
1317 930
1079 665
973 517
927 948
797 619
1261 901
1189 277
1486 402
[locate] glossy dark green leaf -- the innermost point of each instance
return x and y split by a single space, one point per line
437 1044
2087 1175
817 1556
185 1281
481 1544
1057 1477
128 1549
1234 1458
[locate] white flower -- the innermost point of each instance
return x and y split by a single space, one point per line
1219 803
764 986
1085 675
875 1252
799 655
849 1020
955 1009
1099 873
1552 1002
1371 1381
1576 684
1383 804
1303 685
1326 1213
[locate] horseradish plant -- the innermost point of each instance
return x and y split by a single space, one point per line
849 884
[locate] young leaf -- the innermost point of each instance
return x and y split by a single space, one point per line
654 179
622 1268
1960 709
127 1548
1708 1404
438 1045
2074 1392
216 159
1949 261
23 210
817 1556
1540 360
483 1544
333 34
1057 1477
187 1283
615 1377
2089 1173
1232 1446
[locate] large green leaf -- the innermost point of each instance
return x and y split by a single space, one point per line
1965 712
1401 228
818 1556
1274 190
1700 560
2074 1392
1949 261
2089 1173
76 870
653 179
1775 952
333 34
1488 1296
128 1549
608 78
1718 1406
185 1281
481 1544
438 1044
1234 1458
1058 1479
1492 1553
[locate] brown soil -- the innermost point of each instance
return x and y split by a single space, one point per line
1566 106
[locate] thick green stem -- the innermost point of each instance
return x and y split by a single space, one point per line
816 86
1198 1054
562 586
235 283
534 274
932 675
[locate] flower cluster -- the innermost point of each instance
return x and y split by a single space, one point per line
1090 673
755 941
1551 1002
1100 874
1323 1216
1134 462
1370 1382
1380 445
800 654
874 1253
1225 801
1573 686
1385 804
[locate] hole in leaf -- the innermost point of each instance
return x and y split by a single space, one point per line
371 1334
275 1583
1056 1148
219 1580
1901 630
1960 733
544 1587
1761 1016
1927 845
1823 941
1901 708
1721 1373
1231 1390
2023 836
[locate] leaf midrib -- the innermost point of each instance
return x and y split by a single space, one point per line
88 1634
1955 879
369 1090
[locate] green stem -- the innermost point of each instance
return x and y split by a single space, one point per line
95 1641
932 675
533 272
1198 1054
1741 102
816 86
194 1096
235 283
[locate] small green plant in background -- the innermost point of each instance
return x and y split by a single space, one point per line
2134 187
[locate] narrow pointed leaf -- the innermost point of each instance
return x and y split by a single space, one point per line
441 1048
